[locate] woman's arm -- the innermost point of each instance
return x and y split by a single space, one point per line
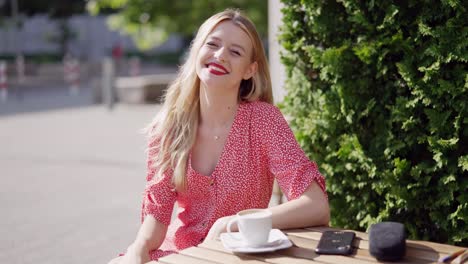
310 209
150 237
299 178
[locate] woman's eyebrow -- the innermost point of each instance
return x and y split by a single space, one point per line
233 44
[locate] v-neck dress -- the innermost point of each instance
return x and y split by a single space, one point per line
259 148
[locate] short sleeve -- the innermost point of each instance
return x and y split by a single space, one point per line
286 160
159 195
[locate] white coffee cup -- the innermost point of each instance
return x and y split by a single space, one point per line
254 226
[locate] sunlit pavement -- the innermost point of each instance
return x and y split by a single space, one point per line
71 179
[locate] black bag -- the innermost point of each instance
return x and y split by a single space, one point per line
387 241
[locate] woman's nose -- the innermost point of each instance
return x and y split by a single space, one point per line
220 55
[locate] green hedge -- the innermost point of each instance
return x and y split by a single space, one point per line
378 95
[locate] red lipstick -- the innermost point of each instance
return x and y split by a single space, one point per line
218 69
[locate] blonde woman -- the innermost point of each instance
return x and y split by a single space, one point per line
218 144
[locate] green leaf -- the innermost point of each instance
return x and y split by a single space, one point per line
463 162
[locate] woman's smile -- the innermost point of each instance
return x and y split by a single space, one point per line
216 69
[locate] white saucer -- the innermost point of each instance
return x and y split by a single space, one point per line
234 242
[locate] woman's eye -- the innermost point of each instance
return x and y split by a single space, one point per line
211 44
235 52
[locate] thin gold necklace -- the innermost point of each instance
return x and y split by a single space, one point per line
225 126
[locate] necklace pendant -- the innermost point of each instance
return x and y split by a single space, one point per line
216 137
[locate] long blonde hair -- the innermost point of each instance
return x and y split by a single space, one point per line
174 129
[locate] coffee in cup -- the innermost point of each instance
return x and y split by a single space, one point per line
254 226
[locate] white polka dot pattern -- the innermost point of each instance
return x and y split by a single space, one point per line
259 148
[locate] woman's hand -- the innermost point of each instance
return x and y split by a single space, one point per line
220 226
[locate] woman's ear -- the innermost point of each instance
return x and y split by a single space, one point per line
251 70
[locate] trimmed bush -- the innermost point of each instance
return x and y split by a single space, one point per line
378 97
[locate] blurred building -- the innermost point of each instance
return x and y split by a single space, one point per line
92 38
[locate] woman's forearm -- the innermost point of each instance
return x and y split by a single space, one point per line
150 235
311 209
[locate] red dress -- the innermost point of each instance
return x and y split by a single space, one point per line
259 148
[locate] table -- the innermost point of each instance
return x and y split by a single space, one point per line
304 242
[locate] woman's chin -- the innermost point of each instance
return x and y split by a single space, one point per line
213 81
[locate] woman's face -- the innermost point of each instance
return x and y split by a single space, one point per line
224 59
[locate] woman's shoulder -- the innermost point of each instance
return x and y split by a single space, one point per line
263 116
259 107
263 111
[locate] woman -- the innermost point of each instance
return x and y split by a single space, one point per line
217 145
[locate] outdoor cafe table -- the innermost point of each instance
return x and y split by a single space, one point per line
304 242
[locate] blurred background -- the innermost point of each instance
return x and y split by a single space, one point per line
56 43
78 81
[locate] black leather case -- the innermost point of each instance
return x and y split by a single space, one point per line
387 241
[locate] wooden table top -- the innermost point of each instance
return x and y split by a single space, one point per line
304 242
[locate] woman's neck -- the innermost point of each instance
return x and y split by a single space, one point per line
217 107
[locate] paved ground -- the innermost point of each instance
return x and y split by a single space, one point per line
71 177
